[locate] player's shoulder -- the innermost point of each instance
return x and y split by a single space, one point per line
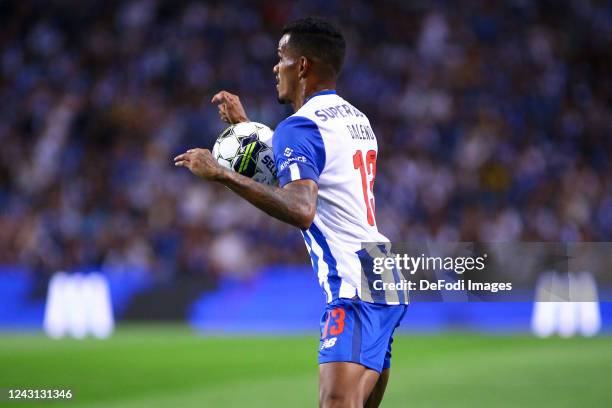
296 129
297 142
295 125
296 121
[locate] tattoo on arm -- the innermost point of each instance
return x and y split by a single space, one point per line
294 204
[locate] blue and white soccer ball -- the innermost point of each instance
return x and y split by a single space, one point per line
247 148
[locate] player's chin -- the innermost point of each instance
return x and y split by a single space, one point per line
283 100
281 96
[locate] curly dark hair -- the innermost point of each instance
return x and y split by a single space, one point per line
319 40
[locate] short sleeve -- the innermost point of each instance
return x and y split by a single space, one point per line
299 151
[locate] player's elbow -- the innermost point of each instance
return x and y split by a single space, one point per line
305 217
301 202
304 224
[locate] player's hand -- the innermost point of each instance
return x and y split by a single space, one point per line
201 163
230 108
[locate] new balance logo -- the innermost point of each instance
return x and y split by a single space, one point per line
329 343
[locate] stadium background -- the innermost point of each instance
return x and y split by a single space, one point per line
494 124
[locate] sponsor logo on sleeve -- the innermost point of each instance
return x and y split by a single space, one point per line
287 162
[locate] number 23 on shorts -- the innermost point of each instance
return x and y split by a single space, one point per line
336 317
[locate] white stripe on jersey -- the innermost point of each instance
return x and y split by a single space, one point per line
295 172
321 266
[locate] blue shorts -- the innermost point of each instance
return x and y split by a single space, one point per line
359 332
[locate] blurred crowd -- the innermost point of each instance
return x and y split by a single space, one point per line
493 118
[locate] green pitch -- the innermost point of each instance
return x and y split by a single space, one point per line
175 367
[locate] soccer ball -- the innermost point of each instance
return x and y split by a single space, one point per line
246 148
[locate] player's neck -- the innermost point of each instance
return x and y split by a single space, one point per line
308 90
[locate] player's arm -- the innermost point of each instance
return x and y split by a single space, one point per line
294 204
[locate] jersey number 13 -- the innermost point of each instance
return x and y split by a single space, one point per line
367 169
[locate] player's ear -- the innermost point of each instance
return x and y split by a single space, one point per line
304 67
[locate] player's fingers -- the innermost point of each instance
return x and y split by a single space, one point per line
183 157
196 150
216 98
219 97
223 117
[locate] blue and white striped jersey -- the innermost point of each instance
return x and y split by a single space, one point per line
331 142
